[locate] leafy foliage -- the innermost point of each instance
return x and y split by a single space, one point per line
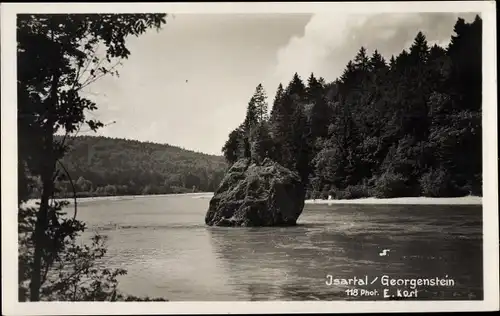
58 55
71 271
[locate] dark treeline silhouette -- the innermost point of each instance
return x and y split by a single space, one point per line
410 126
102 166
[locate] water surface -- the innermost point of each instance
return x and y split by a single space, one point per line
169 252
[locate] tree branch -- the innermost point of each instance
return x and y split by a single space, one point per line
72 186
97 77
87 65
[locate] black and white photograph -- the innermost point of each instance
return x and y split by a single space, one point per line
239 152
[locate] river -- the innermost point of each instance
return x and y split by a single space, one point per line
169 252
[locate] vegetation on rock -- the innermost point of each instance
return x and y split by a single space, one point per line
257 194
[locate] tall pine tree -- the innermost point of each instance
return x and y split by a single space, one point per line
260 100
276 103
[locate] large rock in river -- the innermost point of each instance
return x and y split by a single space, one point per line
266 194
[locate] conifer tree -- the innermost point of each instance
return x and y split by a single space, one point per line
392 62
377 62
261 142
361 61
296 89
419 50
320 114
276 103
314 89
299 145
251 121
259 98
281 129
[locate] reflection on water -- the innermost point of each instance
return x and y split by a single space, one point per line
168 252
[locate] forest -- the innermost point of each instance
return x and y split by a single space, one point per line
102 166
407 126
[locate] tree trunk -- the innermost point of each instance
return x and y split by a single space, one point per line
39 238
48 164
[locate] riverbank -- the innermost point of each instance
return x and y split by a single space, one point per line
465 200
32 202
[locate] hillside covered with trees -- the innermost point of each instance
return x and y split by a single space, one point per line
101 166
407 126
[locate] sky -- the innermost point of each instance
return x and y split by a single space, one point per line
188 84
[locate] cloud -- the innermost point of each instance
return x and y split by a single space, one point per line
330 41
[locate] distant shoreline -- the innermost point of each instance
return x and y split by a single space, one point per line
32 202
465 200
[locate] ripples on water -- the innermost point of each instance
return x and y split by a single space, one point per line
169 252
